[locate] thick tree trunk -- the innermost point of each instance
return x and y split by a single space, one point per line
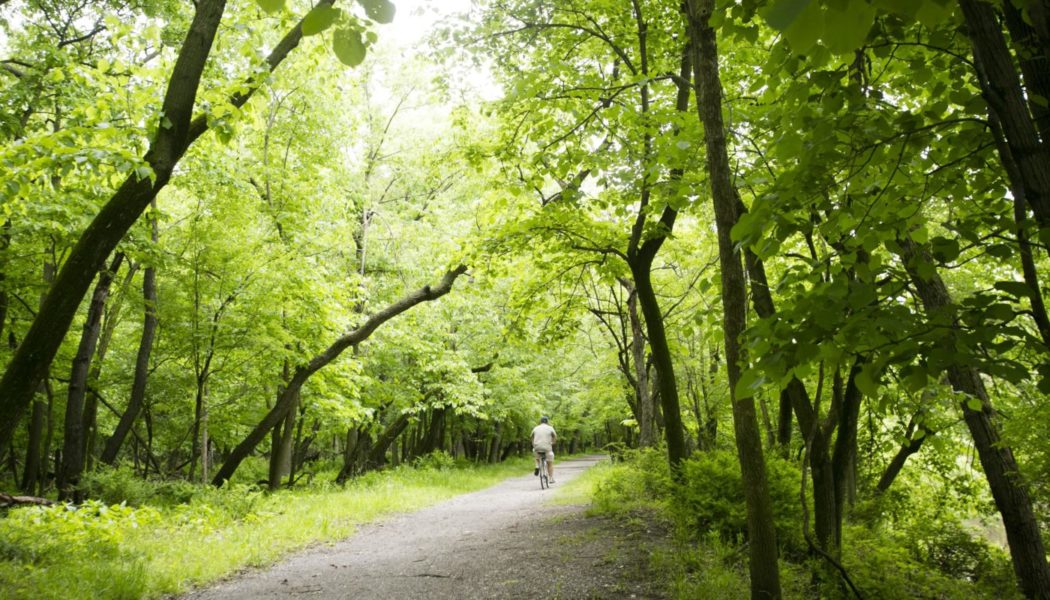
703 48
1032 48
73 434
434 435
640 256
281 452
1001 87
1000 468
32 359
376 456
844 456
303 372
34 355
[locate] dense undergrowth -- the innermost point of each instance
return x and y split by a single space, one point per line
142 539
903 546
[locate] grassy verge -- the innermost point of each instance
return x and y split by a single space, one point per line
117 552
580 490
702 527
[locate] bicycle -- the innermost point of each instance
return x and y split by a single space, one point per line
544 482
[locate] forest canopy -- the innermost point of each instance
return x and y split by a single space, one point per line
796 245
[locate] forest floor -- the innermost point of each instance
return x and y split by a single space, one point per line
507 541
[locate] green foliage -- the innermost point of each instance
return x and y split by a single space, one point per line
438 460
117 551
936 560
711 498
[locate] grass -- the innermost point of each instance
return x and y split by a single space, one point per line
580 490
121 552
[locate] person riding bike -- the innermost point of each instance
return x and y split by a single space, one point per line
543 439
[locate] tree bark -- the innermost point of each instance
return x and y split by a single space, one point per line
703 48
997 459
73 433
138 385
1002 89
90 426
640 256
377 454
896 464
646 439
33 357
303 372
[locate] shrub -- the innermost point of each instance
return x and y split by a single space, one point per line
711 498
641 481
438 460
118 485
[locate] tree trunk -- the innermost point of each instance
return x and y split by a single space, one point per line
281 451
33 474
138 386
303 372
73 434
1001 88
90 426
703 48
377 454
646 439
897 463
32 359
1000 468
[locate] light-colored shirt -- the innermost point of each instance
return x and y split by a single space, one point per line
543 436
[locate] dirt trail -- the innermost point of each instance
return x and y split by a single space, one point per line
502 542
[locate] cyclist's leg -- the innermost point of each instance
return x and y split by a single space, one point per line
536 460
550 465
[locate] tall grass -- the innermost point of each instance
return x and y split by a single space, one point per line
122 552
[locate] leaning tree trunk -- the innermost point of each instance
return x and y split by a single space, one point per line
32 359
997 459
1001 87
304 372
73 433
138 385
703 49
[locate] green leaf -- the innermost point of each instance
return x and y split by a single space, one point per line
270 6
974 404
932 13
866 382
320 18
783 13
380 11
905 8
751 381
805 30
348 46
944 249
914 378
1019 289
846 28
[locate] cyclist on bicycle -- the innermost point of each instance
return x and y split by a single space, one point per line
543 439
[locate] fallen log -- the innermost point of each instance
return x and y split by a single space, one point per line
7 501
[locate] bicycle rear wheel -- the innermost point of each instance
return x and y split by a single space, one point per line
544 484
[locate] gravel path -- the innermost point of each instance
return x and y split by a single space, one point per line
502 542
